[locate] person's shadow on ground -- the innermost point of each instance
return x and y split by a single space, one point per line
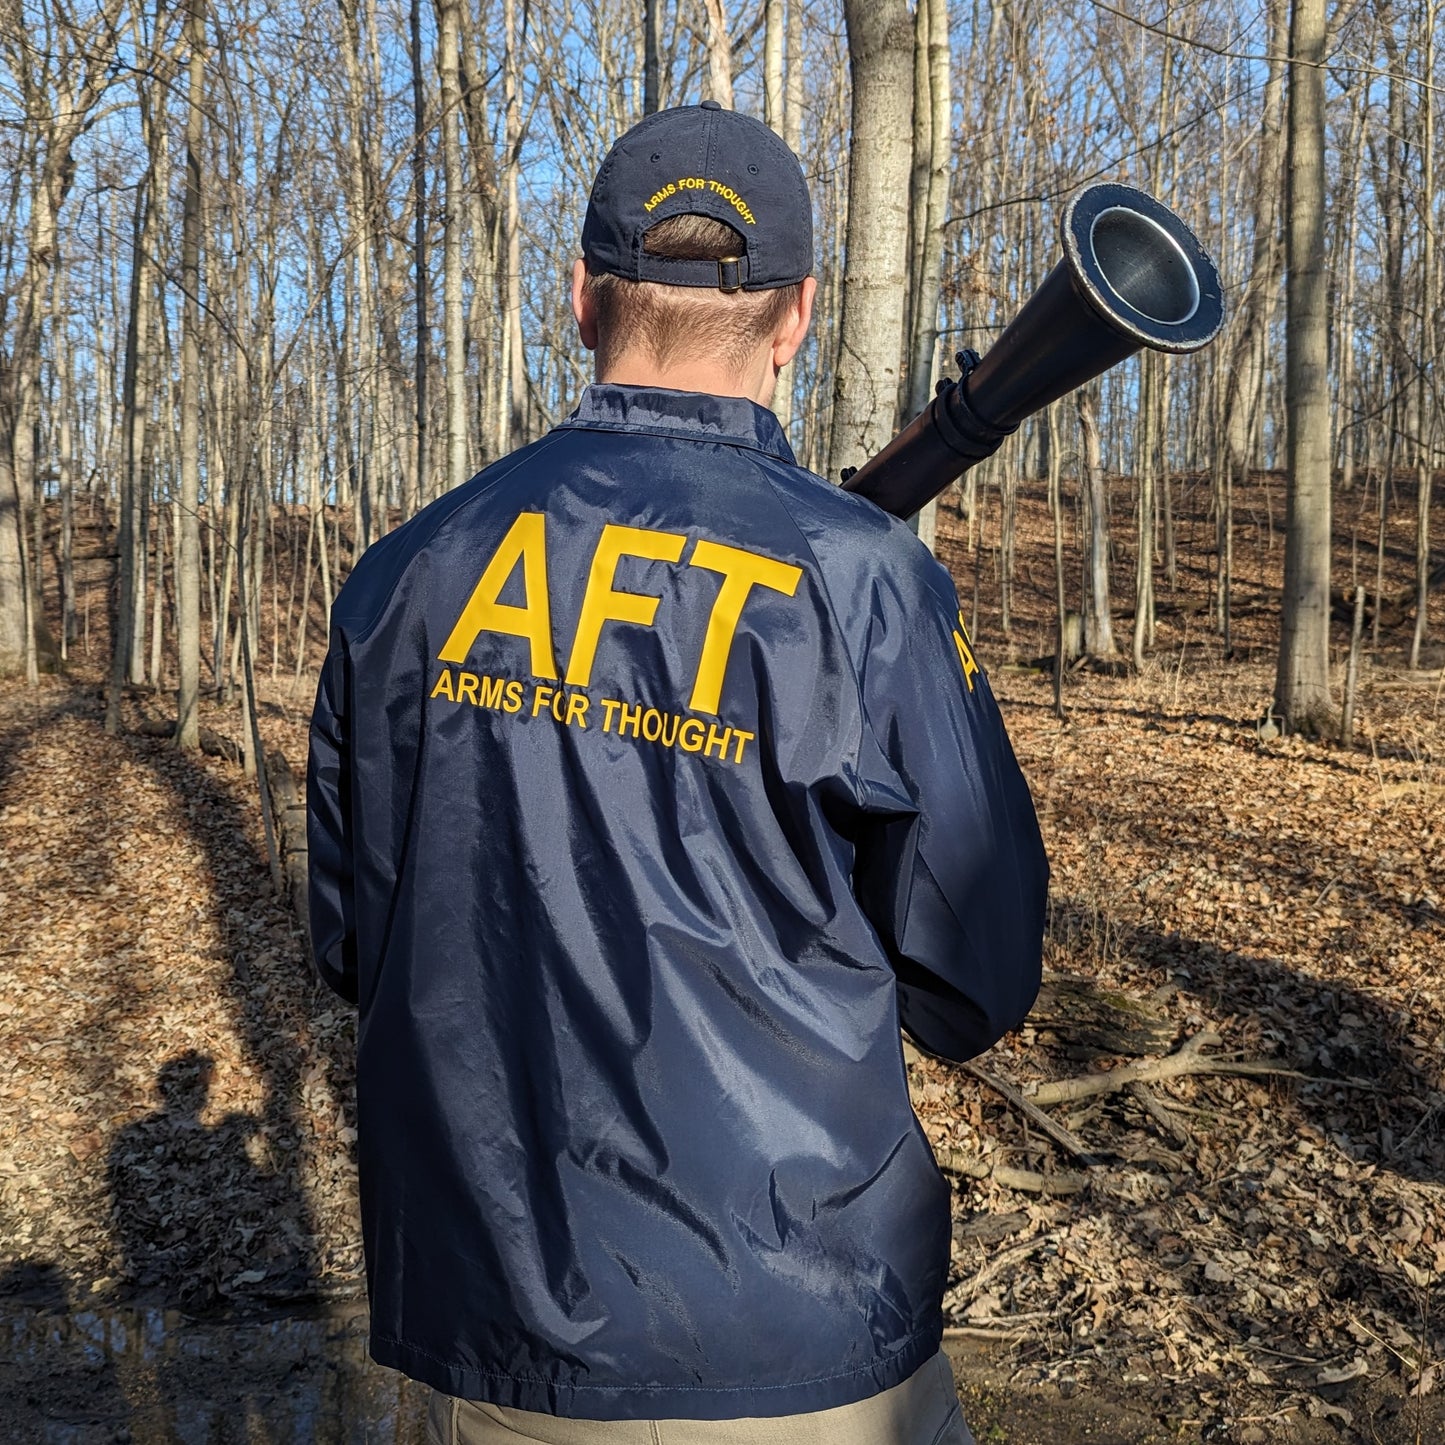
195 1219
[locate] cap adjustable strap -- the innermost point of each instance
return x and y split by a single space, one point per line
730 273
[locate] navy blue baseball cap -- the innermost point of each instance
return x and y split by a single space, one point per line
706 161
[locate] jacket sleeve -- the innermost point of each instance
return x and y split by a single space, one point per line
328 832
949 864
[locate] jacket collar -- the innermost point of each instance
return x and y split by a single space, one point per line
695 416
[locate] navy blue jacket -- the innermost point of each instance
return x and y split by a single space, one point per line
653 783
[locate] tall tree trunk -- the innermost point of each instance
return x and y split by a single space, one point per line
188 544
1244 377
449 63
12 565
793 78
65 461
1302 683
373 526
158 594
483 202
774 27
1390 185
515 411
775 113
359 377
1144 560
719 54
135 408
932 151
875 279
1098 614
1427 417
1056 512
652 55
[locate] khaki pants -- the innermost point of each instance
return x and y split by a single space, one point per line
923 1410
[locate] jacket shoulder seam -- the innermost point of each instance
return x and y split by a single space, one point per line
518 459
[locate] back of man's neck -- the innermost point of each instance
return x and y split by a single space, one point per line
693 375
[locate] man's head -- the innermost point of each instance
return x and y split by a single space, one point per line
696 253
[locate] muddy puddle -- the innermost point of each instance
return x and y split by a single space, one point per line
152 1376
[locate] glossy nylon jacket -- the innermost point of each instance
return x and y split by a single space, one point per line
653 783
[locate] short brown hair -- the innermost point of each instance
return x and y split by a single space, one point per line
669 321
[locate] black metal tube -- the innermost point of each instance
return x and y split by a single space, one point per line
1133 275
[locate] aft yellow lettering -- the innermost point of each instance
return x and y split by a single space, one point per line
604 604
525 542
966 659
741 572
444 686
541 696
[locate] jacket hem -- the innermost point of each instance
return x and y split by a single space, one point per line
587 1401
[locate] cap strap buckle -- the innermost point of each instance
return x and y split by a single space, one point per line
730 273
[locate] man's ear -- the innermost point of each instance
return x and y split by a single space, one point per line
794 325
582 307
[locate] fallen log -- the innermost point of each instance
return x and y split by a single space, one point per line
1088 1020
1395 608
213 744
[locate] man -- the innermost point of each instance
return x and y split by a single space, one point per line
653 784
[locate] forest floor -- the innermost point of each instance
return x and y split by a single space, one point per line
1240 1256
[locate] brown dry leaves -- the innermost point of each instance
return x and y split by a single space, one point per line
171 1119
1270 1236
1290 1236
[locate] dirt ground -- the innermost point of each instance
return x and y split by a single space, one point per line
1250 1255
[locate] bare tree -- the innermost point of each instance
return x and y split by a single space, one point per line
875 279
188 550
652 50
719 54
1098 620
928 203
453 319
1427 418
1302 680
774 28
423 279
514 371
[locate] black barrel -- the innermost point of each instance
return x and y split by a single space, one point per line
1133 275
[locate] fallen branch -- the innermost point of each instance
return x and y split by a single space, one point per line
972 1166
1002 1334
1159 1114
213 743
1035 1115
1188 1059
